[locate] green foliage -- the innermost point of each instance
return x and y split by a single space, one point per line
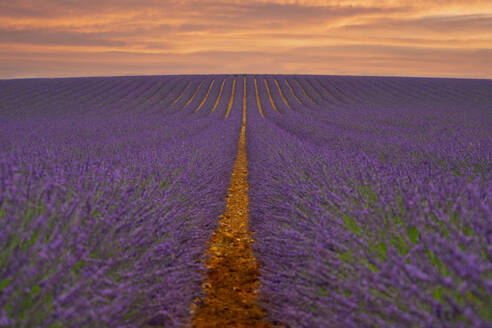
351 224
413 234
399 244
4 283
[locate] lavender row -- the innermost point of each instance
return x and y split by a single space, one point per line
35 98
376 213
106 204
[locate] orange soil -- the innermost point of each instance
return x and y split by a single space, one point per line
194 95
258 102
232 279
293 93
270 95
282 94
181 94
231 99
218 97
206 96
305 93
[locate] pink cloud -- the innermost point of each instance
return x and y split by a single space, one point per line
110 37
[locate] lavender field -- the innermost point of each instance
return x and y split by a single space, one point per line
370 198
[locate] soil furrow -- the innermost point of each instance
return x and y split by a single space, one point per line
232 281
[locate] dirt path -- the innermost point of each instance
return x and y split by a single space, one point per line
232 279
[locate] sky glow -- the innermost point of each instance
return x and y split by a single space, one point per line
50 38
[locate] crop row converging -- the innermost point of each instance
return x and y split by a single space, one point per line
370 198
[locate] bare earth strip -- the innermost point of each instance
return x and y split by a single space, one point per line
305 93
231 99
194 95
270 95
181 94
218 97
232 279
258 102
206 96
282 94
293 93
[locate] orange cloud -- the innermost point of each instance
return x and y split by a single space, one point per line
363 37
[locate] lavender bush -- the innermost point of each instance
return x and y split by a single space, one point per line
107 197
370 198
371 203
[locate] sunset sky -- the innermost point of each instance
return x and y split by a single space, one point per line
49 38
